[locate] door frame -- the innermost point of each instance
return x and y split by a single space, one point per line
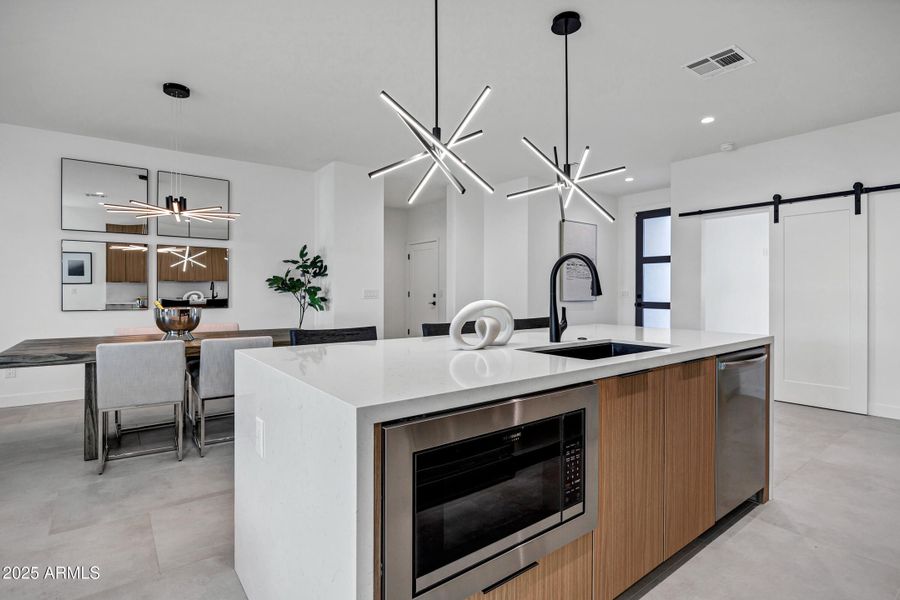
439 298
640 260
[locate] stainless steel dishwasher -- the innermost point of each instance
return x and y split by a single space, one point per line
740 428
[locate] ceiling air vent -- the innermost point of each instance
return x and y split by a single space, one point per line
726 60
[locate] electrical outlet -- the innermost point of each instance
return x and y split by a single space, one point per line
10 373
260 437
370 294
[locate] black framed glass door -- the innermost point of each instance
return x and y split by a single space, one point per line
653 262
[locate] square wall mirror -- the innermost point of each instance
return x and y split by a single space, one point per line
103 276
192 276
86 186
198 192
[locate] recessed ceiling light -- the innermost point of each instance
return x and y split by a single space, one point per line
707 120
629 179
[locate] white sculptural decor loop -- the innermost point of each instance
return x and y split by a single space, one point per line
491 331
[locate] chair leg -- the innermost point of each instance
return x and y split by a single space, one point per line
188 398
101 441
118 417
202 405
179 429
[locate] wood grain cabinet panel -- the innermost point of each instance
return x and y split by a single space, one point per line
115 265
630 528
561 575
690 449
125 266
218 264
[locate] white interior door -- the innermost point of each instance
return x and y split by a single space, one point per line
422 299
820 305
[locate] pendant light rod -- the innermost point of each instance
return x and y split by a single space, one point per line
564 24
567 98
437 125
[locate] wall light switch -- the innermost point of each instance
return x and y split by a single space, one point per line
10 373
260 437
370 294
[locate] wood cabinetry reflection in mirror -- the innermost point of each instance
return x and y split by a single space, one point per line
202 272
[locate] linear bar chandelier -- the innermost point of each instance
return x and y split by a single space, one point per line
430 140
564 24
176 204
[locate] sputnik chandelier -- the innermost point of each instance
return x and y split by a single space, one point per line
564 24
176 204
433 148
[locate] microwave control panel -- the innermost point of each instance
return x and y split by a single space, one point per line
573 459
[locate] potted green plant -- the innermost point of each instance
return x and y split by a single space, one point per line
300 281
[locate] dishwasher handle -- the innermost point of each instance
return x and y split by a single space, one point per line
741 363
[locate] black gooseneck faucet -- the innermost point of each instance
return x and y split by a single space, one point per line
557 327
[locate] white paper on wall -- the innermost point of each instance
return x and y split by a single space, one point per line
576 278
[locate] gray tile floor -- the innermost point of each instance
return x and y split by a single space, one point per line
161 529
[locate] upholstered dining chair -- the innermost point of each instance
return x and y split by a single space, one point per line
435 329
532 323
304 337
139 374
213 379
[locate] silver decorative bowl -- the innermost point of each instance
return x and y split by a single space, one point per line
178 323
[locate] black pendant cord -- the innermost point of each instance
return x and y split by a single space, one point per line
437 126
567 99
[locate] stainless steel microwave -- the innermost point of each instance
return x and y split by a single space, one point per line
472 497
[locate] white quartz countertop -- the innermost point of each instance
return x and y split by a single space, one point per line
409 376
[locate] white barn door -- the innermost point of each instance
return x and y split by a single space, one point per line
820 305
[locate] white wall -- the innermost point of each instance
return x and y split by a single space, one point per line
735 273
629 206
276 206
395 223
350 225
821 161
884 290
427 222
506 247
465 249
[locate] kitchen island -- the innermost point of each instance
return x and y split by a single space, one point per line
308 441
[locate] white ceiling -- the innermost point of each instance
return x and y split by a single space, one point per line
296 83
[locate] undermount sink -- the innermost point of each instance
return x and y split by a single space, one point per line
595 350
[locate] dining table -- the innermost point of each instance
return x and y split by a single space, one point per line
83 351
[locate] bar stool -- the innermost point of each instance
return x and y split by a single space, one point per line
138 374
213 379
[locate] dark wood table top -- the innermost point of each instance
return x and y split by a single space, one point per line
80 350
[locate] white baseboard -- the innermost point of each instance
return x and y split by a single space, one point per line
45 397
884 410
